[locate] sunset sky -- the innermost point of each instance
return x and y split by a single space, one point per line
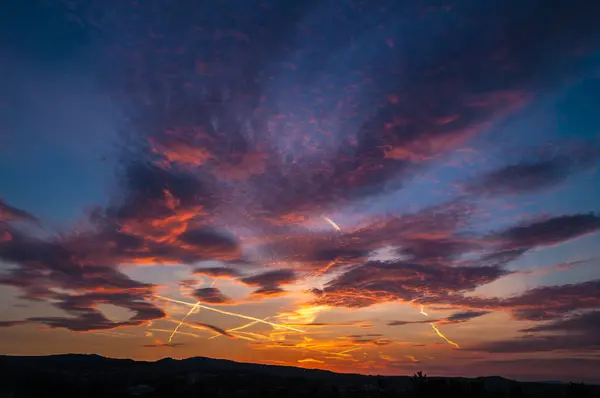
375 186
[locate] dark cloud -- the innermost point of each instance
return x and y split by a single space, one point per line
507 245
226 118
436 248
44 264
548 232
428 236
210 239
270 282
465 316
87 318
211 295
10 213
403 323
377 281
370 340
458 317
575 333
8 324
435 272
551 302
149 190
313 251
271 278
166 345
465 86
157 218
213 140
539 304
84 322
269 291
585 323
215 329
45 267
217 272
161 216
538 344
533 174
360 336
435 226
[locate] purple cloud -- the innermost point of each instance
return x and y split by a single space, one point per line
10 213
270 282
534 174
217 272
548 232
211 295
376 282
579 332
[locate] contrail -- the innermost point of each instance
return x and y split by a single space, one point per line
239 328
444 337
438 331
191 311
251 318
333 224
205 326
170 331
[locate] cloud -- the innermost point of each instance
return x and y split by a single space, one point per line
87 318
212 243
217 272
171 345
557 267
215 329
538 304
312 251
436 248
44 264
458 317
377 281
369 340
47 269
532 175
270 282
280 128
270 278
548 232
411 233
8 324
403 323
465 316
269 156
585 323
576 333
161 216
551 302
211 295
507 245
436 274
10 213
359 336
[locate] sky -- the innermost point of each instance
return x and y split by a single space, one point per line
376 187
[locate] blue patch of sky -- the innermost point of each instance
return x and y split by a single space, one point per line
59 125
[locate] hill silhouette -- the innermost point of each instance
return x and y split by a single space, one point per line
75 375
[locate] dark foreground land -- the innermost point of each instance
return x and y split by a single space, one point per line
80 376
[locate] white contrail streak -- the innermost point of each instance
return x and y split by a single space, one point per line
333 224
